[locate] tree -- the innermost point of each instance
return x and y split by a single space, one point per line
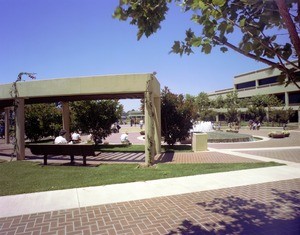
204 109
281 116
192 100
260 23
231 103
260 106
96 117
42 120
218 102
176 113
256 113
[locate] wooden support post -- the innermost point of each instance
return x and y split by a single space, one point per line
7 125
66 119
20 129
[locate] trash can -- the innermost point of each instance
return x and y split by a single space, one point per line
199 142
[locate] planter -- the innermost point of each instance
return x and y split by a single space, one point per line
232 131
277 135
286 133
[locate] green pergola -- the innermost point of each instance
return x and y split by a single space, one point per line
128 86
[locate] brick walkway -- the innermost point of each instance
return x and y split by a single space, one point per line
292 155
270 208
267 208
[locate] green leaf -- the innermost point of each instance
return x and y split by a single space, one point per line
229 28
118 13
222 27
176 48
206 48
202 5
224 49
219 3
216 14
196 42
242 22
139 34
247 47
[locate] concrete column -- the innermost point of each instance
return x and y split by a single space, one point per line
149 130
217 118
157 129
239 118
66 119
20 129
268 114
286 99
7 125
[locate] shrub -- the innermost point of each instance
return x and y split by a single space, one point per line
286 133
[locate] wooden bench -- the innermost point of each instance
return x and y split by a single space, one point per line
62 149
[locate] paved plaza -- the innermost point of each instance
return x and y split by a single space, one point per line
254 201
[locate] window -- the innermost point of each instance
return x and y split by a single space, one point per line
267 81
245 85
281 97
294 98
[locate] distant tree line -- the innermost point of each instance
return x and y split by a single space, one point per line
94 117
178 114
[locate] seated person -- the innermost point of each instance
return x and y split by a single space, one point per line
76 137
90 138
124 138
61 139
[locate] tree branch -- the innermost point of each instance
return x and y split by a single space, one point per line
284 12
263 60
255 38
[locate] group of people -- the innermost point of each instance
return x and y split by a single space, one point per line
134 122
76 138
254 125
61 139
115 127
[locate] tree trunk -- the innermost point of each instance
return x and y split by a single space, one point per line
284 12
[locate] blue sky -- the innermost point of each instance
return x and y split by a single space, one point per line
68 38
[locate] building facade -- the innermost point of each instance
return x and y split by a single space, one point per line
264 82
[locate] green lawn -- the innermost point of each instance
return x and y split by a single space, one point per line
19 177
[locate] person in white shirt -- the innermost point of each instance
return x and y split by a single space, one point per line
76 137
61 139
141 124
124 138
